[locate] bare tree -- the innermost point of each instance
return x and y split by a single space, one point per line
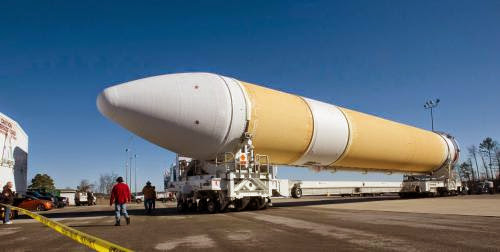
85 186
497 156
465 171
106 182
473 153
486 148
469 161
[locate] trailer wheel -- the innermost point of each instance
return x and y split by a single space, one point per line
256 203
212 207
263 204
181 206
297 192
241 204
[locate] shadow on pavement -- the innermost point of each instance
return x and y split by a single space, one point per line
173 211
327 201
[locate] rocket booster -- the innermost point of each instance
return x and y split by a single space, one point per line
201 115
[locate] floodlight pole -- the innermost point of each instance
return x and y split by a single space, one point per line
135 171
432 120
130 171
431 104
126 166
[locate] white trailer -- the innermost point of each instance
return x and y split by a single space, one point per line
13 154
297 189
241 180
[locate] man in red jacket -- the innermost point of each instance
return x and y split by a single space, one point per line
120 195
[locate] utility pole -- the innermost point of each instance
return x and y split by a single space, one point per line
135 171
431 104
126 166
130 170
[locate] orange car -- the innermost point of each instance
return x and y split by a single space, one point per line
35 204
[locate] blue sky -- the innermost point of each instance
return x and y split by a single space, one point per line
380 57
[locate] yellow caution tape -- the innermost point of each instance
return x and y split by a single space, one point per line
83 238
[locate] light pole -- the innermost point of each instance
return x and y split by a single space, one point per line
130 171
135 171
126 166
431 104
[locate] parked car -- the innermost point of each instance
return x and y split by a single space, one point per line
37 195
34 204
58 201
139 197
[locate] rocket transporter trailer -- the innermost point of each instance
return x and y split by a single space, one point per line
233 181
297 189
204 115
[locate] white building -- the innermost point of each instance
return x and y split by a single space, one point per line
13 154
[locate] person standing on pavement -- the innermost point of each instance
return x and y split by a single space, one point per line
149 197
7 198
154 199
120 196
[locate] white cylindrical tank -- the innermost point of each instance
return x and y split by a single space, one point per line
201 115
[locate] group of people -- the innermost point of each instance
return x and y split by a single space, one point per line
120 196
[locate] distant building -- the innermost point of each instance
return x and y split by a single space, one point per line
13 154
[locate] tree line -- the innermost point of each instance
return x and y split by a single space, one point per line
44 182
483 162
104 185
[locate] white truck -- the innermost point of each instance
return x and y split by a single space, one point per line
241 180
83 199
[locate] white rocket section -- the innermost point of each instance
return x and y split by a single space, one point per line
240 114
176 110
330 135
452 151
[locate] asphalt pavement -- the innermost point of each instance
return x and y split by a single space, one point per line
312 224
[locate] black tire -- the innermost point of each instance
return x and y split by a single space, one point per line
263 204
254 203
241 204
40 207
212 207
297 192
181 207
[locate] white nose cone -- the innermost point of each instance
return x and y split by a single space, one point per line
194 114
